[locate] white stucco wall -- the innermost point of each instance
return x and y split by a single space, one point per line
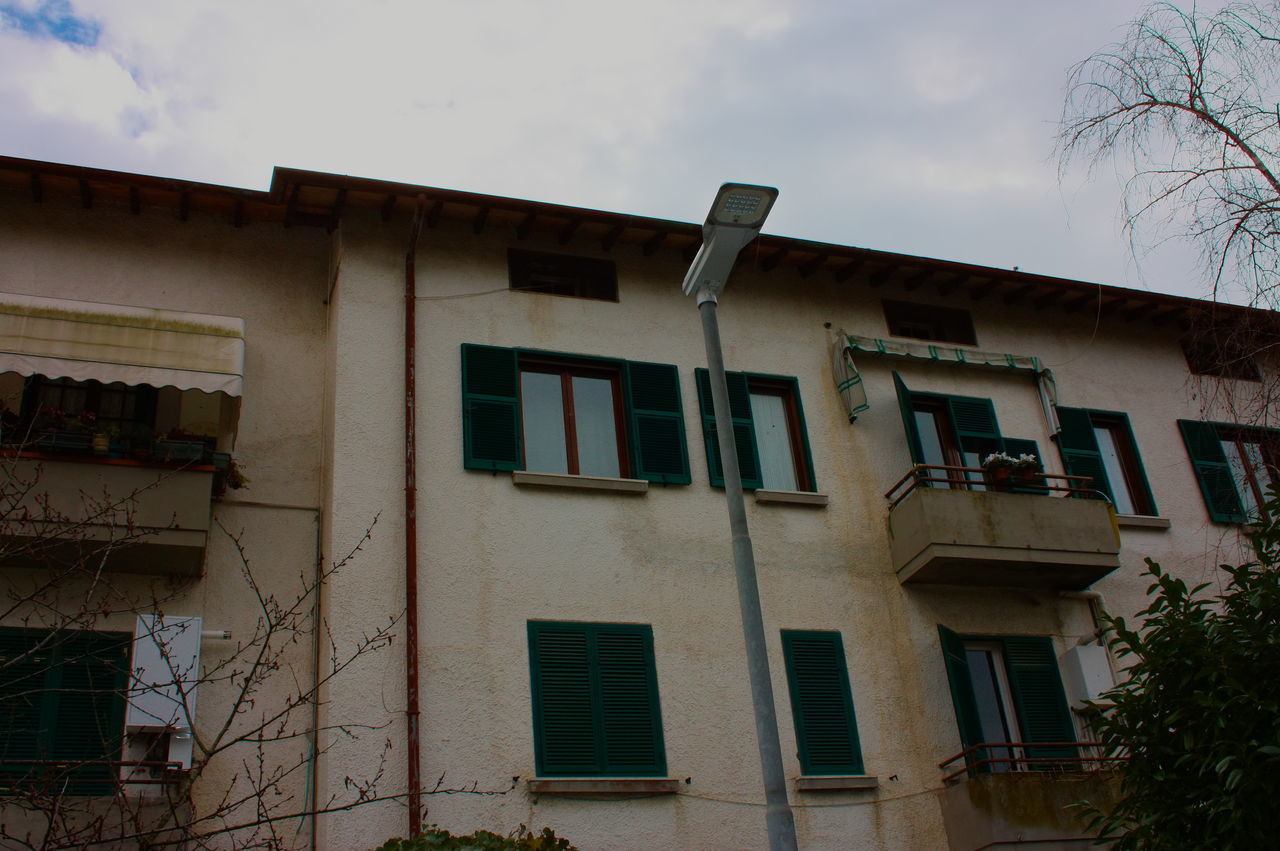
273 278
493 555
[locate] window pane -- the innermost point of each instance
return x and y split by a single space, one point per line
1257 465
1240 473
991 704
542 406
931 443
596 426
773 440
1106 438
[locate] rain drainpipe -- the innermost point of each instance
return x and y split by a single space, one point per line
411 525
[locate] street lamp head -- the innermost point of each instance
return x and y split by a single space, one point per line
741 205
735 219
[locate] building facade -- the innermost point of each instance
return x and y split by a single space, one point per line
539 599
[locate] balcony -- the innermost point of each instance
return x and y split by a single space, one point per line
125 515
1010 793
951 526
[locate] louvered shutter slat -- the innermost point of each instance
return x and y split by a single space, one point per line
656 416
821 703
490 408
1043 714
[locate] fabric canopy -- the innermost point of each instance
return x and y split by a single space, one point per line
86 341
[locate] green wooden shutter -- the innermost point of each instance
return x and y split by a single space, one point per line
595 700
1217 485
632 726
909 420
744 432
821 703
962 697
1079 448
974 421
490 408
62 698
1041 704
656 420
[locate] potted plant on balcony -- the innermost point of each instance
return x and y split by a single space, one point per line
1002 469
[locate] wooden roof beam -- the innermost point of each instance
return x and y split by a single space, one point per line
86 194
291 205
184 205
917 280
846 271
1144 310
339 204
951 284
526 225
611 236
813 265
981 291
135 201
237 218
388 206
567 232
1019 294
1049 298
37 188
1072 305
481 219
654 242
771 262
433 215
880 278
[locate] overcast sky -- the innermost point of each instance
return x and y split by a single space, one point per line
919 126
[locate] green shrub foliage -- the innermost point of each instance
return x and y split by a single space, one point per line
521 839
1199 715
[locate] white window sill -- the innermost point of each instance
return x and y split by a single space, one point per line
835 783
587 483
605 786
791 497
1139 521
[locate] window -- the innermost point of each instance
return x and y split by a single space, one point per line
1220 358
62 699
595 700
821 703
89 406
955 431
1100 444
1007 689
562 274
551 413
1235 465
929 322
768 429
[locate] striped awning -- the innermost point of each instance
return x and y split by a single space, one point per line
86 341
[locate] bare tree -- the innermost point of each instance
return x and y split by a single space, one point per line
248 781
1186 105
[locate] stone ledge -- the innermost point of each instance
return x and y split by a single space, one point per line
589 483
1140 521
791 497
602 786
831 783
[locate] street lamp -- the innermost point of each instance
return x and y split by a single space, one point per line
735 219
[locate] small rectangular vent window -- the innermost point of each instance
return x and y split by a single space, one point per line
929 322
562 274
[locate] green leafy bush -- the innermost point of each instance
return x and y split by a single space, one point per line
521 839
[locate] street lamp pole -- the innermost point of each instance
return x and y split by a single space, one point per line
735 219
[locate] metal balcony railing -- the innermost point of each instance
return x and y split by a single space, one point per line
992 757
978 478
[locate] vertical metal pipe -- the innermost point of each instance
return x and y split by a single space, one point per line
778 817
413 739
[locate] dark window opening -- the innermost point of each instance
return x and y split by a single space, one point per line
1221 360
929 322
562 274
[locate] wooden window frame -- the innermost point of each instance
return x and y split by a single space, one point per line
1126 450
1266 441
590 278
766 386
569 369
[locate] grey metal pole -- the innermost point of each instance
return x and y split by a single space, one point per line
778 816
